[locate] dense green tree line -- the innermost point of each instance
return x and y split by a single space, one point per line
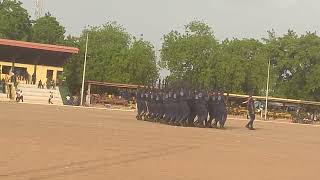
194 57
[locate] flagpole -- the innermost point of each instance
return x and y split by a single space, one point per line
84 69
267 93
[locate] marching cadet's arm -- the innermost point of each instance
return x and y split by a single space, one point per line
245 102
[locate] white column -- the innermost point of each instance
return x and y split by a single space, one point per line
84 71
267 92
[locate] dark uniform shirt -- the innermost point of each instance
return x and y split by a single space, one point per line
250 106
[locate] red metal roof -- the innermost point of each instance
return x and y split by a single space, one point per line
46 47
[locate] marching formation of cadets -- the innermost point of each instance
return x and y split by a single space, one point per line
183 107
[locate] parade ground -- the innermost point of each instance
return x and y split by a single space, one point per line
66 143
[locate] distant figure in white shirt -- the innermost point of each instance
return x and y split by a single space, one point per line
69 101
50 98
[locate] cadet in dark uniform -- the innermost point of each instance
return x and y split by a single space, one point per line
184 109
202 110
139 103
147 100
192 106
206 98
165 106
152 106
212 108
169 106
251 112
174 108
220 111
225 110
143 105
160 108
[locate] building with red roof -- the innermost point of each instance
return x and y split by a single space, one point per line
27 60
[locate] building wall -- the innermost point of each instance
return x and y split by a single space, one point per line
41 70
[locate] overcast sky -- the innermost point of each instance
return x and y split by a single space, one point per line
154 18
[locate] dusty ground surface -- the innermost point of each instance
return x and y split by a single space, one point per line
61 143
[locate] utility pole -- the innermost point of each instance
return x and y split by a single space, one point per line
267 92
84 70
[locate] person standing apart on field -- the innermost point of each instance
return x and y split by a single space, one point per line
251 112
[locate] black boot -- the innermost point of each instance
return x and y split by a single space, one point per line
209 124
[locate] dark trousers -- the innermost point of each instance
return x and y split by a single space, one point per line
20 98
224 118
251 118
218 119
212 116
184 112
202 114
139 108
191 118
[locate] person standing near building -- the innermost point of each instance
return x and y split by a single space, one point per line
50 98
40 85
33 79
27 78
251 112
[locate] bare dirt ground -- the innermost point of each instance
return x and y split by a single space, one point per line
64 143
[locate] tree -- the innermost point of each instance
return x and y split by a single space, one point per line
188 55
113 56
235 65
48 30
74 67
245 65
142 66
309 53
108 49
295 61
14 20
